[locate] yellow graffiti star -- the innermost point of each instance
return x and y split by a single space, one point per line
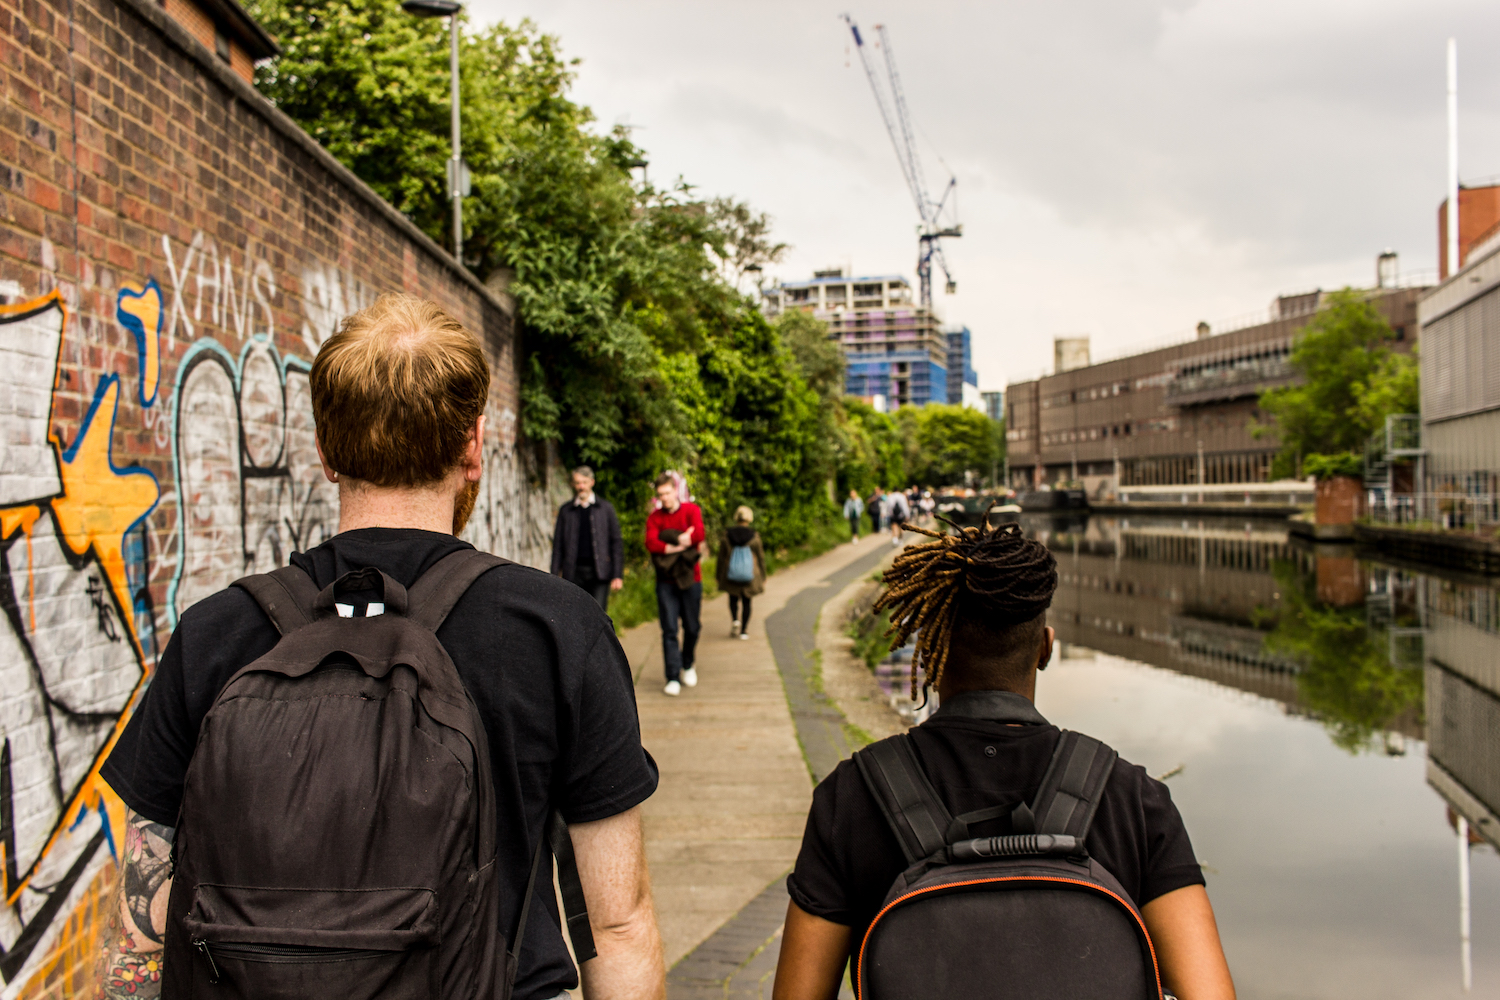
100 501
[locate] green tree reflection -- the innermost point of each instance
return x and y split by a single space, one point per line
1347 678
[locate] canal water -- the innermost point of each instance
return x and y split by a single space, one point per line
1323 720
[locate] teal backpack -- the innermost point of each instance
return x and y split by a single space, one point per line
741 565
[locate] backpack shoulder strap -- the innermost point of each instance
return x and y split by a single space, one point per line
906 798
431 598
1073 785
286 596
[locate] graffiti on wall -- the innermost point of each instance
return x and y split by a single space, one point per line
79 629
203 387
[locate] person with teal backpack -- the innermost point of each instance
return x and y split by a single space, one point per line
742 569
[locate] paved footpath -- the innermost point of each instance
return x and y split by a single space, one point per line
723 829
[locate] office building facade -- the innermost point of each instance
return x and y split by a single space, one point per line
893 349
1179 415
994 404
961 373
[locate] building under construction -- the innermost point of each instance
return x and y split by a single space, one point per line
894 350
1179 415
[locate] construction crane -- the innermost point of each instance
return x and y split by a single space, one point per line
898 124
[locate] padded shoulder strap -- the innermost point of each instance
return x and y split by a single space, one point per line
431 598
286 596
1073 785
907 799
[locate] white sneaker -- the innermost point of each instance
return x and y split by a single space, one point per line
734 628
673 689
690 677
895 541
744 635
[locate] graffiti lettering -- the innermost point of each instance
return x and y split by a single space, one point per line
244 306
103 609
328 295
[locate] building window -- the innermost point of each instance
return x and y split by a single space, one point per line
221 43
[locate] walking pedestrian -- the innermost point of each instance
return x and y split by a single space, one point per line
741 572
586 545
674 537
900 511
389 810
975 802
854 509
875 503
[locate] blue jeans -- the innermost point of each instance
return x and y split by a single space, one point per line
672 606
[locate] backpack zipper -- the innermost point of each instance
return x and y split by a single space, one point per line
283 954
859 987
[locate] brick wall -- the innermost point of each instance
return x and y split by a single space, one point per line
172 254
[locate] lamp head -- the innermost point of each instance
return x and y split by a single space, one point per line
431 8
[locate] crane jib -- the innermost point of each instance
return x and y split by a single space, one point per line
898 127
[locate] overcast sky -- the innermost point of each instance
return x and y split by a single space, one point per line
1125 167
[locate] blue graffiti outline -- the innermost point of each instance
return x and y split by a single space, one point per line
284 363
71 452
134 325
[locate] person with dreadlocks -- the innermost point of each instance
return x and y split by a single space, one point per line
976 599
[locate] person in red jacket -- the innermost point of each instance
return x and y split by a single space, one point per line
683 524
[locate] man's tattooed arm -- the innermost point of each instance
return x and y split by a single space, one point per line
134 960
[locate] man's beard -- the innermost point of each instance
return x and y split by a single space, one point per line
463 505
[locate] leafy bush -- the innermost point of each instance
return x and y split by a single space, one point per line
1343 463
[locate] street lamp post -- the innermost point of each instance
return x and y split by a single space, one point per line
449 9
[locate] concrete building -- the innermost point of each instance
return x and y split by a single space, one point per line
963 380
994 404
1460 323
1179 415
893 348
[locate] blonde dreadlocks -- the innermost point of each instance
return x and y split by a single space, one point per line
998 568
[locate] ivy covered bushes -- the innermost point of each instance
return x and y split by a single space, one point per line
641 351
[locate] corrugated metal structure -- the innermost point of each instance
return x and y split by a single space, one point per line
1460 322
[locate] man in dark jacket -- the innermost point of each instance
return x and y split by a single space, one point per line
586 544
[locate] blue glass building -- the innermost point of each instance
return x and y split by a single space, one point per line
893 350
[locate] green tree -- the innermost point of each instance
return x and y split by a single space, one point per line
945 441
870 451
1349 381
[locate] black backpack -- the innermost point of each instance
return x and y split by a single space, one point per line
338 828
1029 915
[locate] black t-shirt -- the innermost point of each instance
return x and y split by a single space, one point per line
584 560
537 655
849 856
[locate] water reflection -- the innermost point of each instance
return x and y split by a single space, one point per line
1333 861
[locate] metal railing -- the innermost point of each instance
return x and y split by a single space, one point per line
1452 511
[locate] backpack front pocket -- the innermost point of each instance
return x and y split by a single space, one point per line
288 944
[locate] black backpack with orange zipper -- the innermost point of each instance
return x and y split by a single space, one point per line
1027 915
338 835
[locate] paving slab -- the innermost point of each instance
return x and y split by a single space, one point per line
724 827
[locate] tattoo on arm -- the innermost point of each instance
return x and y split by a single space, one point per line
148 854
135 960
